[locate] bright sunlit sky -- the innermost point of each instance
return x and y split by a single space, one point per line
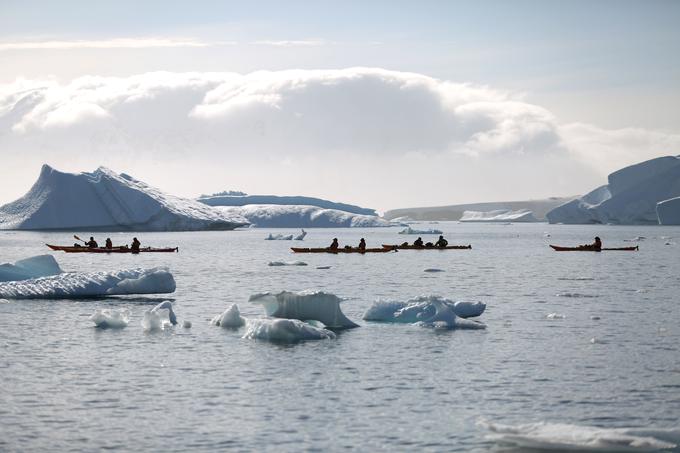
385 104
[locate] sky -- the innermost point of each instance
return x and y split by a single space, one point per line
384 104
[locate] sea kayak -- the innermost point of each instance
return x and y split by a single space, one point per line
557 248
416 247
122 249
340 250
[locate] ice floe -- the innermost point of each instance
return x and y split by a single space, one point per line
68 285
305 306
159 317
230 318
109 318
568 437
285 331
409 230
33 267
279 237
428 311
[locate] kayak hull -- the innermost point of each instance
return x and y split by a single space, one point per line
72 249
340 250
415 247
557 248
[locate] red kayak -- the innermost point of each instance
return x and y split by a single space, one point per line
422 247
585 248
121 249
339 250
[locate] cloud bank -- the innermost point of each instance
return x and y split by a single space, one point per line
301 121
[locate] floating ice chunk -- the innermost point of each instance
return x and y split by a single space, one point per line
231 318
106 318
285 331
92 284
278 237
305 306
4 301
466 309
433 311
555 316
432 269
301 236
159 317
33 267
287 263
167 305
567 437
409 230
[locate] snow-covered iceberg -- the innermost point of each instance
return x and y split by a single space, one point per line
301 216
241 199
285 331
499 215
231 318
566 437
305 306
110 318
33 267
409 230
106 201
630 198
668 211
428 311
69 285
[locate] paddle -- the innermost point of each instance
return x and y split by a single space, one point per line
78 239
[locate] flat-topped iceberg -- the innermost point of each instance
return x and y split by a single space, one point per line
305 306
301 216
630 198
668 211
239 199
428 311
106 201
499 215
33 267
70 285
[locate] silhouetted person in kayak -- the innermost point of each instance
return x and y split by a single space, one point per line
334 245
362 244
597 245
135 245
92 243
109 244
418 242
441 243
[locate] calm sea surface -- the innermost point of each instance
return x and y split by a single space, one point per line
68 386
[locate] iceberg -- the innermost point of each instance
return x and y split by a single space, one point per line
33 267
106 318
668 211
278 237
428 311
567 437
631 197
285 331
409 230
230 318
70 285
241 199
159 317
499 215
301 216
305 306
107 201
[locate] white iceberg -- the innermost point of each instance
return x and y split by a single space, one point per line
301 216
499 215
279 237
107 318
567 437
106 201
159 317
69 285
428 311
668 211
285 331
305 306
241 199
230 318
409 230
631 197
33 267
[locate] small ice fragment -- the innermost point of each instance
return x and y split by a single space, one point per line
555 316
230 318
106 318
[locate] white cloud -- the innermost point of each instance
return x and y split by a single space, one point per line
117 43
447 141
292 43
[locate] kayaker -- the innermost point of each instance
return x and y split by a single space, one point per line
362 244
109 244
441 243
334 245
135 245
597 245
92 243
418 242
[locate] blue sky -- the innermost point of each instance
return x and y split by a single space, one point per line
609 64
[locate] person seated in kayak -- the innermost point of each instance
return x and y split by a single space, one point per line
429 244
92 243
135 245
109 244
334 245
441 243
362 244
418 242
597 245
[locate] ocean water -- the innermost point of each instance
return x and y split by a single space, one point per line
608 357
